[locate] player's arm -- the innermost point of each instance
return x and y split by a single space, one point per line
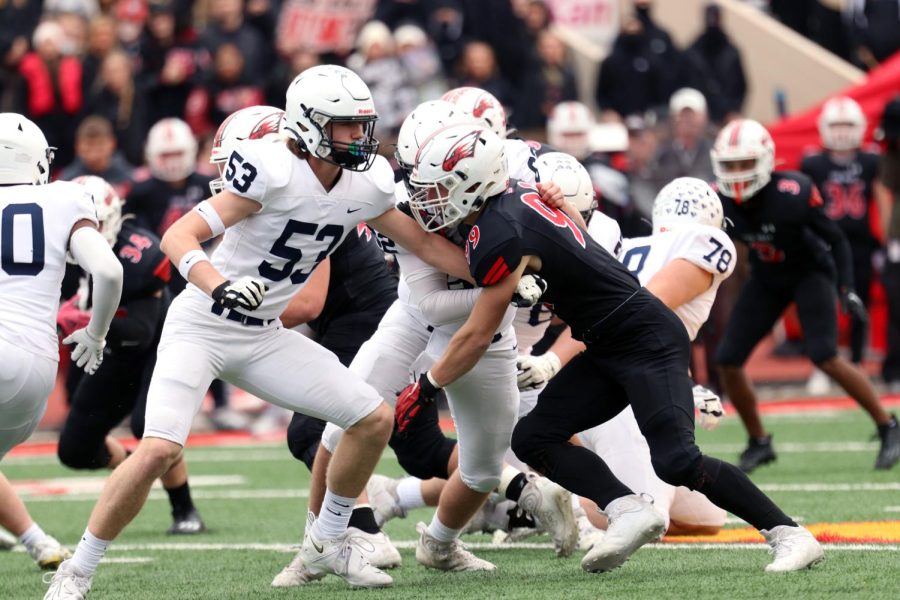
433 249
535 371
828 230
307 304
93 254
679 282
884 199
207 220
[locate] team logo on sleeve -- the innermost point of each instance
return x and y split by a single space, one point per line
789 186
464 148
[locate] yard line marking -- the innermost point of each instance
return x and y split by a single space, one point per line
126 560
64 486
263 494
247 454
892 509
799 447
830 487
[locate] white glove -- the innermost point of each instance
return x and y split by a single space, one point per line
88 351
529 291
710 407
535 371
246 293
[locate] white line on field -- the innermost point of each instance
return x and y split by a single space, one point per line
200 456
127 560
892 509
830 487
797 447
200 494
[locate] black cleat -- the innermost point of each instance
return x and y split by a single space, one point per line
889 453
189 523
759 452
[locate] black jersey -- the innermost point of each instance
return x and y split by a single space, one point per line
360 280
156 204
787 231
585 283
847 191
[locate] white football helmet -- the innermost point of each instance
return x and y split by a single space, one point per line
25 156
329 94
571 177
842 124
456 169
569 128
171 150
686 201
108 206
480 104
743 140
251 123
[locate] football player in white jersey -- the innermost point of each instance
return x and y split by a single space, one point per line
39 225
284 209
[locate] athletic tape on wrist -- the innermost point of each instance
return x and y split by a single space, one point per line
190 259
212 218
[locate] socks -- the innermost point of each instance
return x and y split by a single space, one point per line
409 491
88 553
441 532
363 518
32 536
512 482
334 516
180 499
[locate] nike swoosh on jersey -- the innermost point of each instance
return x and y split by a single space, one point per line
353 210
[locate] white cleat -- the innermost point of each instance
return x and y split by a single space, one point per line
588 535
377 548
68 584
383 499
632 523
551 506
296 573
447 556
794 548
48 553
343 557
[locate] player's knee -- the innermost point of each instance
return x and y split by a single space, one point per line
823 357
676 467
155 456
527 439
424 453
303 437
79 454
481 479
377 425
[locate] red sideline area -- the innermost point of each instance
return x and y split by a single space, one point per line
236 438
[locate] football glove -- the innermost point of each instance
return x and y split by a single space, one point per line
70 318
411 401
529 291
535 371
88 351
246 293
852 305
710 407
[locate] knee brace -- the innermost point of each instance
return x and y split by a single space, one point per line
424 452
303 436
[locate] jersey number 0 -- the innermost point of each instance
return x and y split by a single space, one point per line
35 215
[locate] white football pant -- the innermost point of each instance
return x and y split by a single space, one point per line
26 381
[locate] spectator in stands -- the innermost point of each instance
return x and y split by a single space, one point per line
130 18
101 41
887 193
631 80
642 145
552 81
17 23
712 64
284 72
686 153
171 63
873 29
377 64
117 97
227 26
229 88
394 13
536 16
52 88
421 61
96 154
445 28
478 68
660 43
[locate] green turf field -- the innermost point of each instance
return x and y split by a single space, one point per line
254 502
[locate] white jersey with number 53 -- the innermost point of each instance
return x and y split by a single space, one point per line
35 225
707 247
299 223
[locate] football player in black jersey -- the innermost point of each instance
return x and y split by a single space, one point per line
797 254
844 175
637 352
99 402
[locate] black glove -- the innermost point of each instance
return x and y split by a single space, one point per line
852 305
246 293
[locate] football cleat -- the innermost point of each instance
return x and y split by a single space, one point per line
377 548
588 535
493 515
296 572
48 553
794 549
889 453
760 451
189 523
551 506
68 584
447 556
633 522
383 499
344 556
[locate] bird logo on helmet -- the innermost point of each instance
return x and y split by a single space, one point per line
251 123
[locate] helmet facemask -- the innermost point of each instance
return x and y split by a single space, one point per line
358 155
431 203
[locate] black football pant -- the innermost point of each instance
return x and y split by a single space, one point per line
99 402
641 360
862 281
890 369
